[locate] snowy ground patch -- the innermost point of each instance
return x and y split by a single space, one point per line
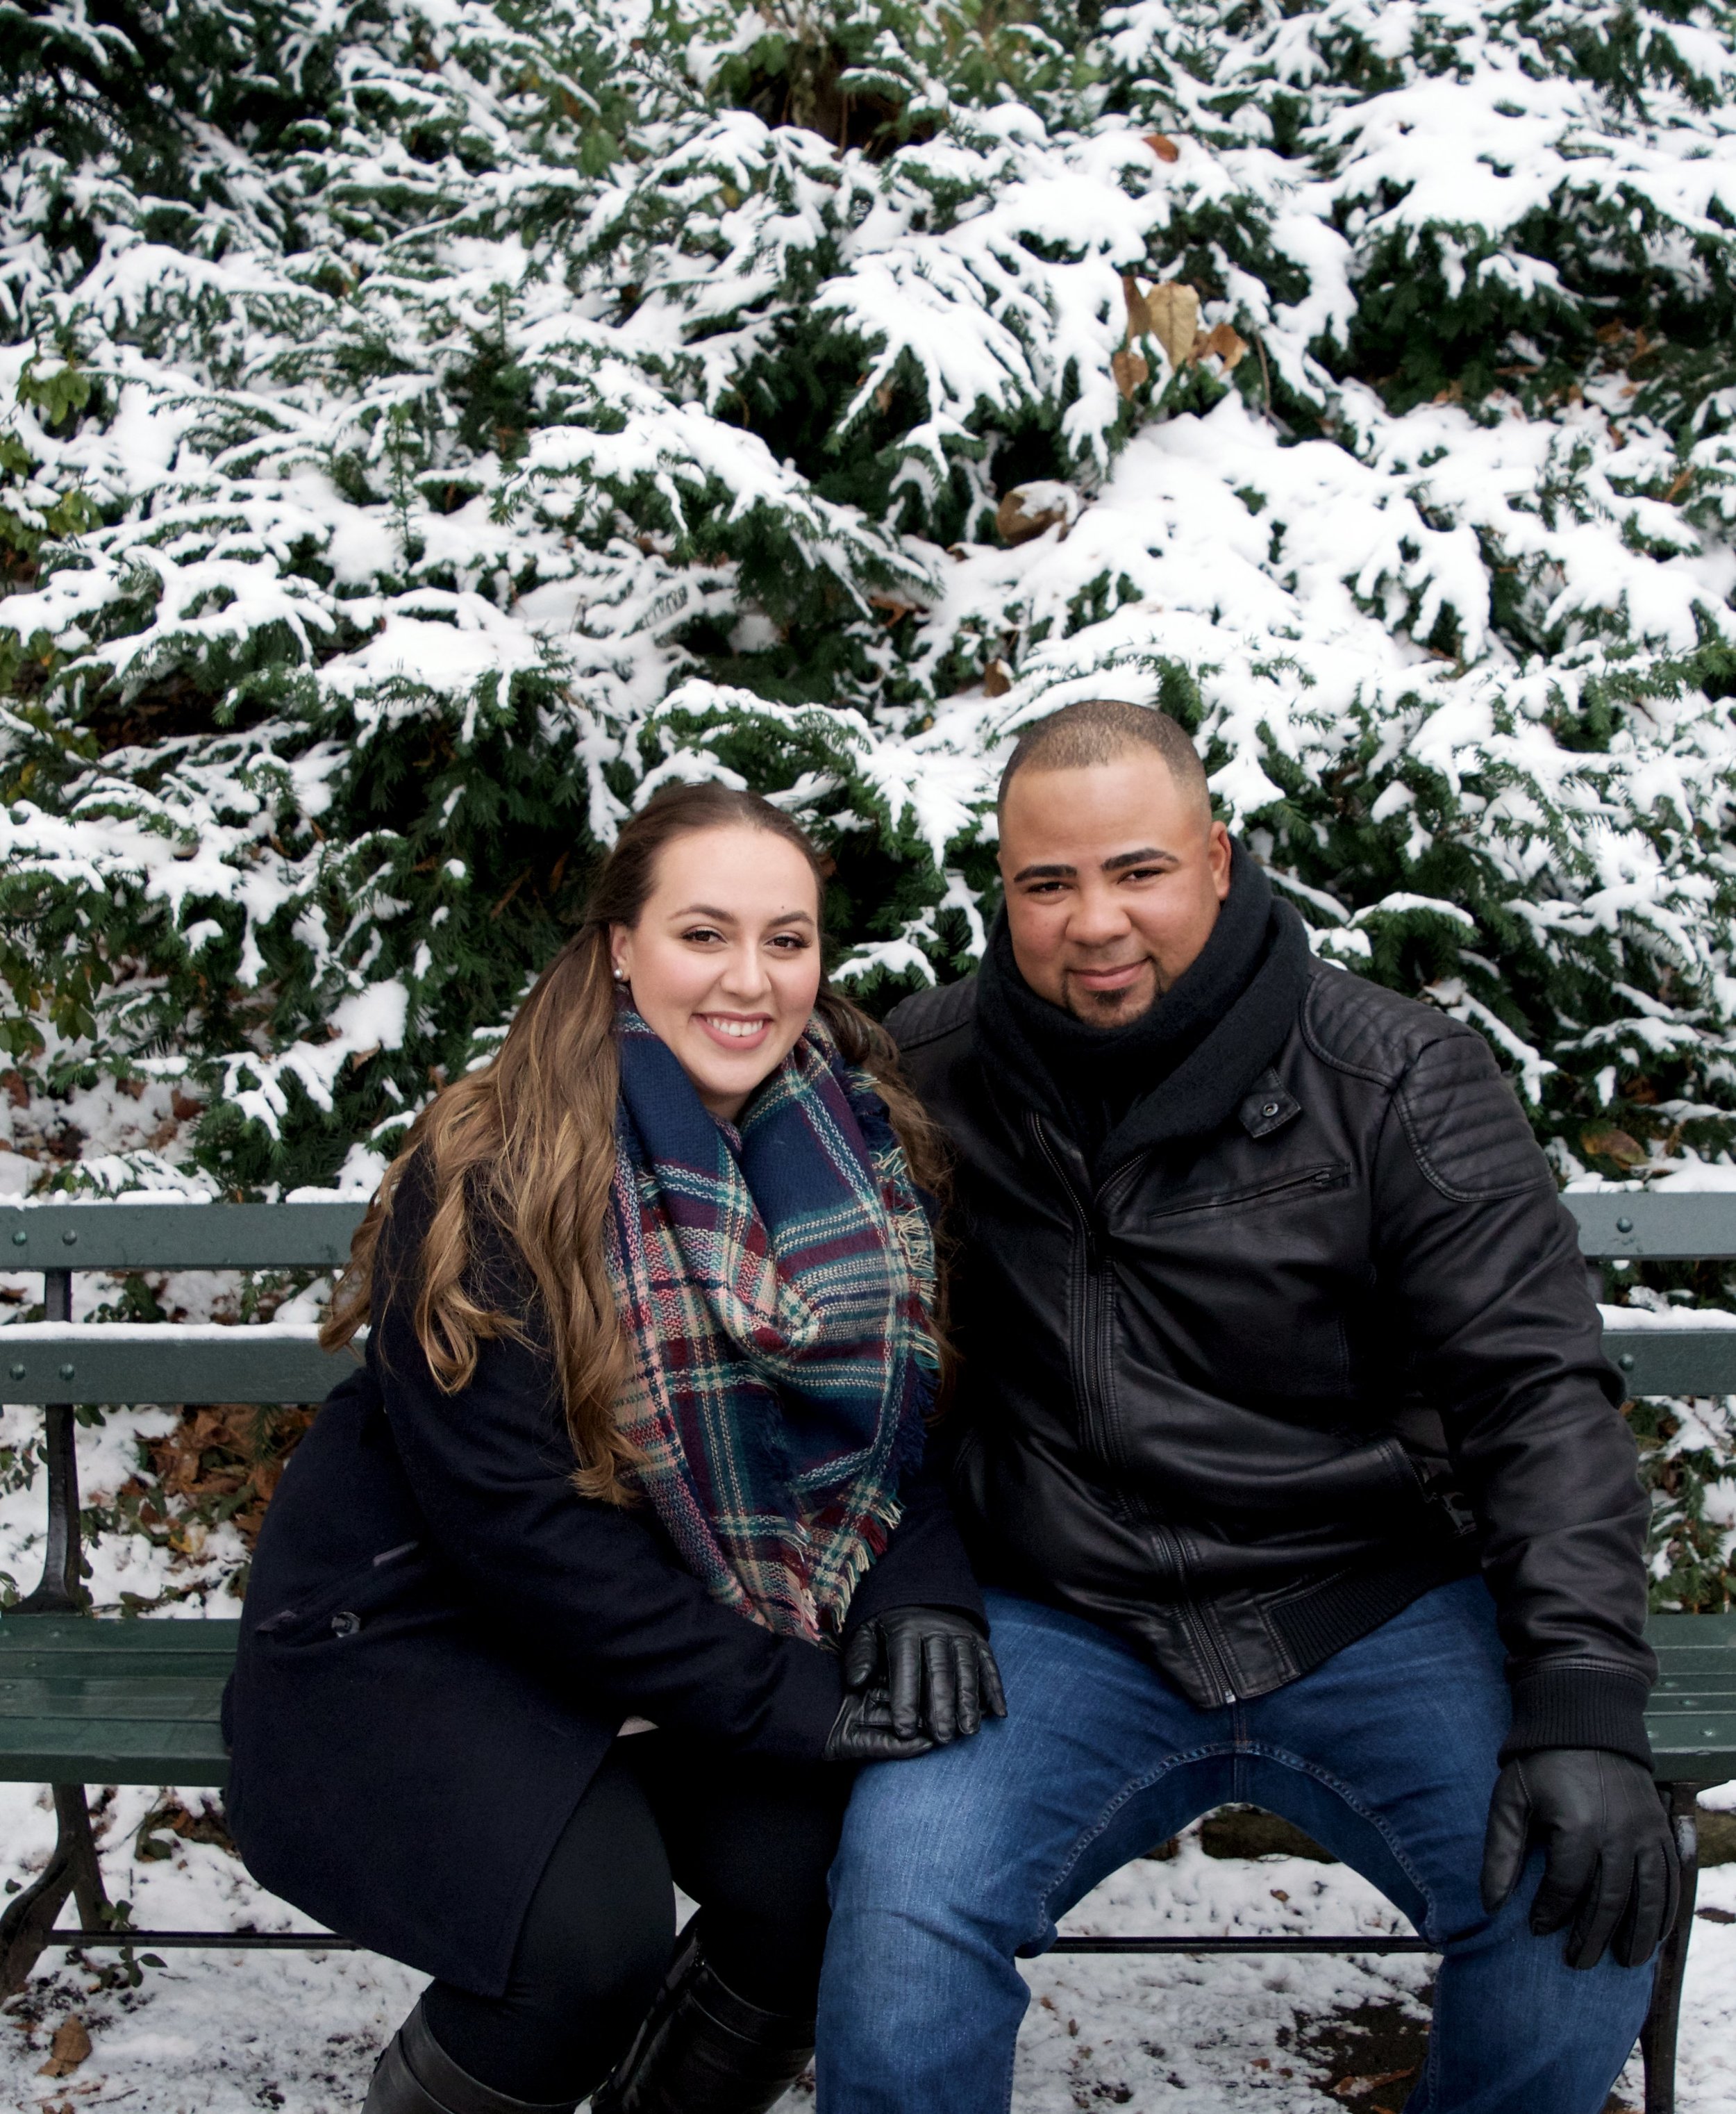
297 2032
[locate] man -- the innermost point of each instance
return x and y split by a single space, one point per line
1286 1444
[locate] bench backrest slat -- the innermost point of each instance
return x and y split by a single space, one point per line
1655 1225
1655 1362
136 1234
96 1364
153 1232
145 1232
73 1363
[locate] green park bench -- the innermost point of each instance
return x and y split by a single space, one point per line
85 1701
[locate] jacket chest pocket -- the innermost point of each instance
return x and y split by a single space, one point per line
1243 1290
1282 1188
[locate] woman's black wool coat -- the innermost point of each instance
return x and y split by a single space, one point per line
441 1638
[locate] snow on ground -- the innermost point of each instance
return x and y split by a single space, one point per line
219 2033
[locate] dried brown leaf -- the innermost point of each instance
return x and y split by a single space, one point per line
1015 524
1604 1141
1163 146
1174 310
1226 341
68 2049
1130 369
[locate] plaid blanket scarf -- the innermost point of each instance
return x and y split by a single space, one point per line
774 1282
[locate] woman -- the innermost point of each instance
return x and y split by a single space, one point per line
556 1600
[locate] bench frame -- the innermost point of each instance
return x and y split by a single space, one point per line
60 1238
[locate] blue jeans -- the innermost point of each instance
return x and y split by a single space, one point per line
952 1865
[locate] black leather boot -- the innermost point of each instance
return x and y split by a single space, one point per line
415 2075
704 2050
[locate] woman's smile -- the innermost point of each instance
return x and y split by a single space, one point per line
743 1030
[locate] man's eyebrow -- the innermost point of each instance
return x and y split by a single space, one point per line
1141 857
729 916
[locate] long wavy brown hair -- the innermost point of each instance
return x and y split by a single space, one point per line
527 1142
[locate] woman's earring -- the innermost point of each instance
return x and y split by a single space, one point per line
620 975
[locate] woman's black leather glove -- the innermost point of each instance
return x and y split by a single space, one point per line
862 1731
937 1667
1610 1865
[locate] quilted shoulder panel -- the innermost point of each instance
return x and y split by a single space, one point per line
927 1015
1364 1028
1463 1121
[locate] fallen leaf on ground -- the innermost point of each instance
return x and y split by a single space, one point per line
68 2049
1163 146
1353 2088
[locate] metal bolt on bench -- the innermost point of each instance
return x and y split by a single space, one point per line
85 1701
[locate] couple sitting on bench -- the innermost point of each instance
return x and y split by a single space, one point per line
647 1542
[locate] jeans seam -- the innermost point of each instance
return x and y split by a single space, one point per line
1342 1790
1013 2060
1130 1790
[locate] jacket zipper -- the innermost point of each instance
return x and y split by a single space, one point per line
1087 1349
1095 1385
1317 1177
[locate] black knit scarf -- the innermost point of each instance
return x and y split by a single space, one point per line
1185 1064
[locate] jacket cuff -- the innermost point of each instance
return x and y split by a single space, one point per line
1577 1706
810 1694
924 1565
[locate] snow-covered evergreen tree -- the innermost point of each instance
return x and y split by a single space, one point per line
425 426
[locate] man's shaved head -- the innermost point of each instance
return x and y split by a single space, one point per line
1097 730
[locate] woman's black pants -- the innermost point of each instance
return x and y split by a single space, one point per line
750 1840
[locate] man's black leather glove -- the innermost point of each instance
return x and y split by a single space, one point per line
862 1731
937 1669
1610 1866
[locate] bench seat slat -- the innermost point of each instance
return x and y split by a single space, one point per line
1675 1632
137 1699
138 1702
81 1668
215 1636
72 1750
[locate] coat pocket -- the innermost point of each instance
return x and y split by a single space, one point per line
342 1608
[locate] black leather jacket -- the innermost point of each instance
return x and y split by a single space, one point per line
1250 1394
